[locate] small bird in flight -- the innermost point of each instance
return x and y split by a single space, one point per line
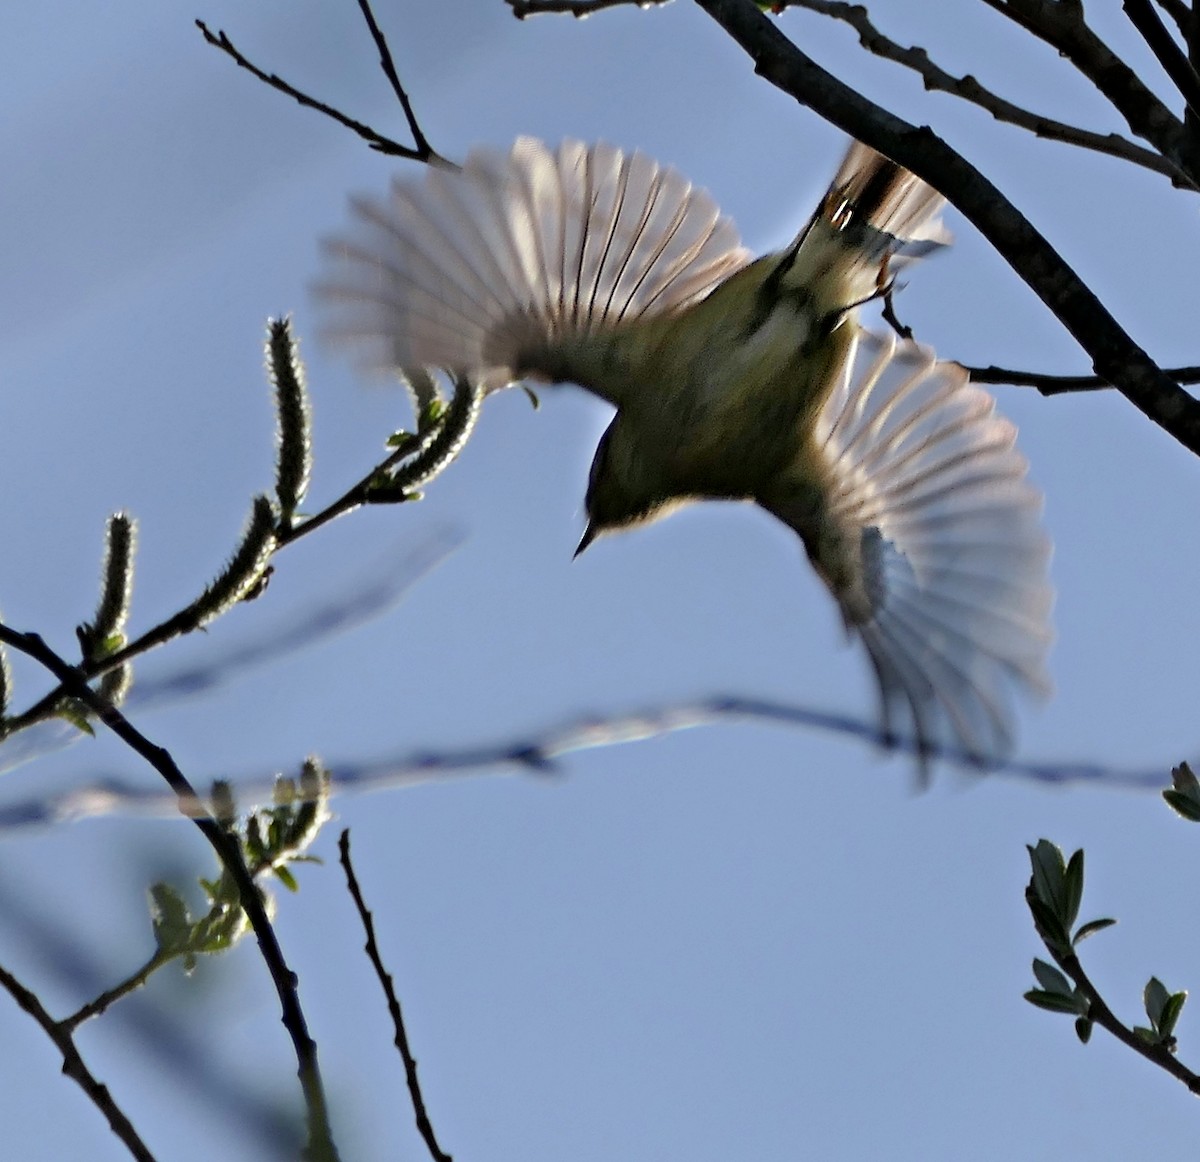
735 378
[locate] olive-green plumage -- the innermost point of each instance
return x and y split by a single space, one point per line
734 378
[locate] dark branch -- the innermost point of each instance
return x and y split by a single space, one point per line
1179 12
1061 384
76 1068
934 77
377 141
75 685
539 754
424 1125
1152 30
577 8
1115 356
1061 24
425 151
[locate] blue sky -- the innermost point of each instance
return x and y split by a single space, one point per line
742 941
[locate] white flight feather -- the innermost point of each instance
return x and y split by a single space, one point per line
467 269
927 484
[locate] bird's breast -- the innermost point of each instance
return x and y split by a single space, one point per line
728 395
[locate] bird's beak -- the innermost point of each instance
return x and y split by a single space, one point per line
589 535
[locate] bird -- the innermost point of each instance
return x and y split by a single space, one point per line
735 378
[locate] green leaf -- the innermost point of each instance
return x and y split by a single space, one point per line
255 848
431 413
1052 932
1170 1013
1147 1035
170 919
1051 979
1083 1029
1184 805
1091 928
1155 997
109 646
1074 889
1055 1002
285 877
219 930
1049 876
74 713
1184 798
1183 779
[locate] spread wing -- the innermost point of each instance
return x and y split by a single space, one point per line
925 529
472 270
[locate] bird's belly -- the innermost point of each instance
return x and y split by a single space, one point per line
736 425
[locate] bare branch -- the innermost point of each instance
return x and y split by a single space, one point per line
1149 24
76 1068
1061 24
1179 12
577 8
969 89
375 140
75 685
1061 384
1116 358
110 996
425 151
539 754
424 1125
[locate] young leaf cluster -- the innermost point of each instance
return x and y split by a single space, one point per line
1054 894
271 839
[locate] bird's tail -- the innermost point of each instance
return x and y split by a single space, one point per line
474 269
875 219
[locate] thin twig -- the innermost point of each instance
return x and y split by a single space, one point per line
1102 1015
1060 384
74 683
1168 54
76 1068
934 77
577 8
540 753
109 997
375 140
425 152
424 1125
1061 24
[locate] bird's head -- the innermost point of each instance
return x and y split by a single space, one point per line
619 495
